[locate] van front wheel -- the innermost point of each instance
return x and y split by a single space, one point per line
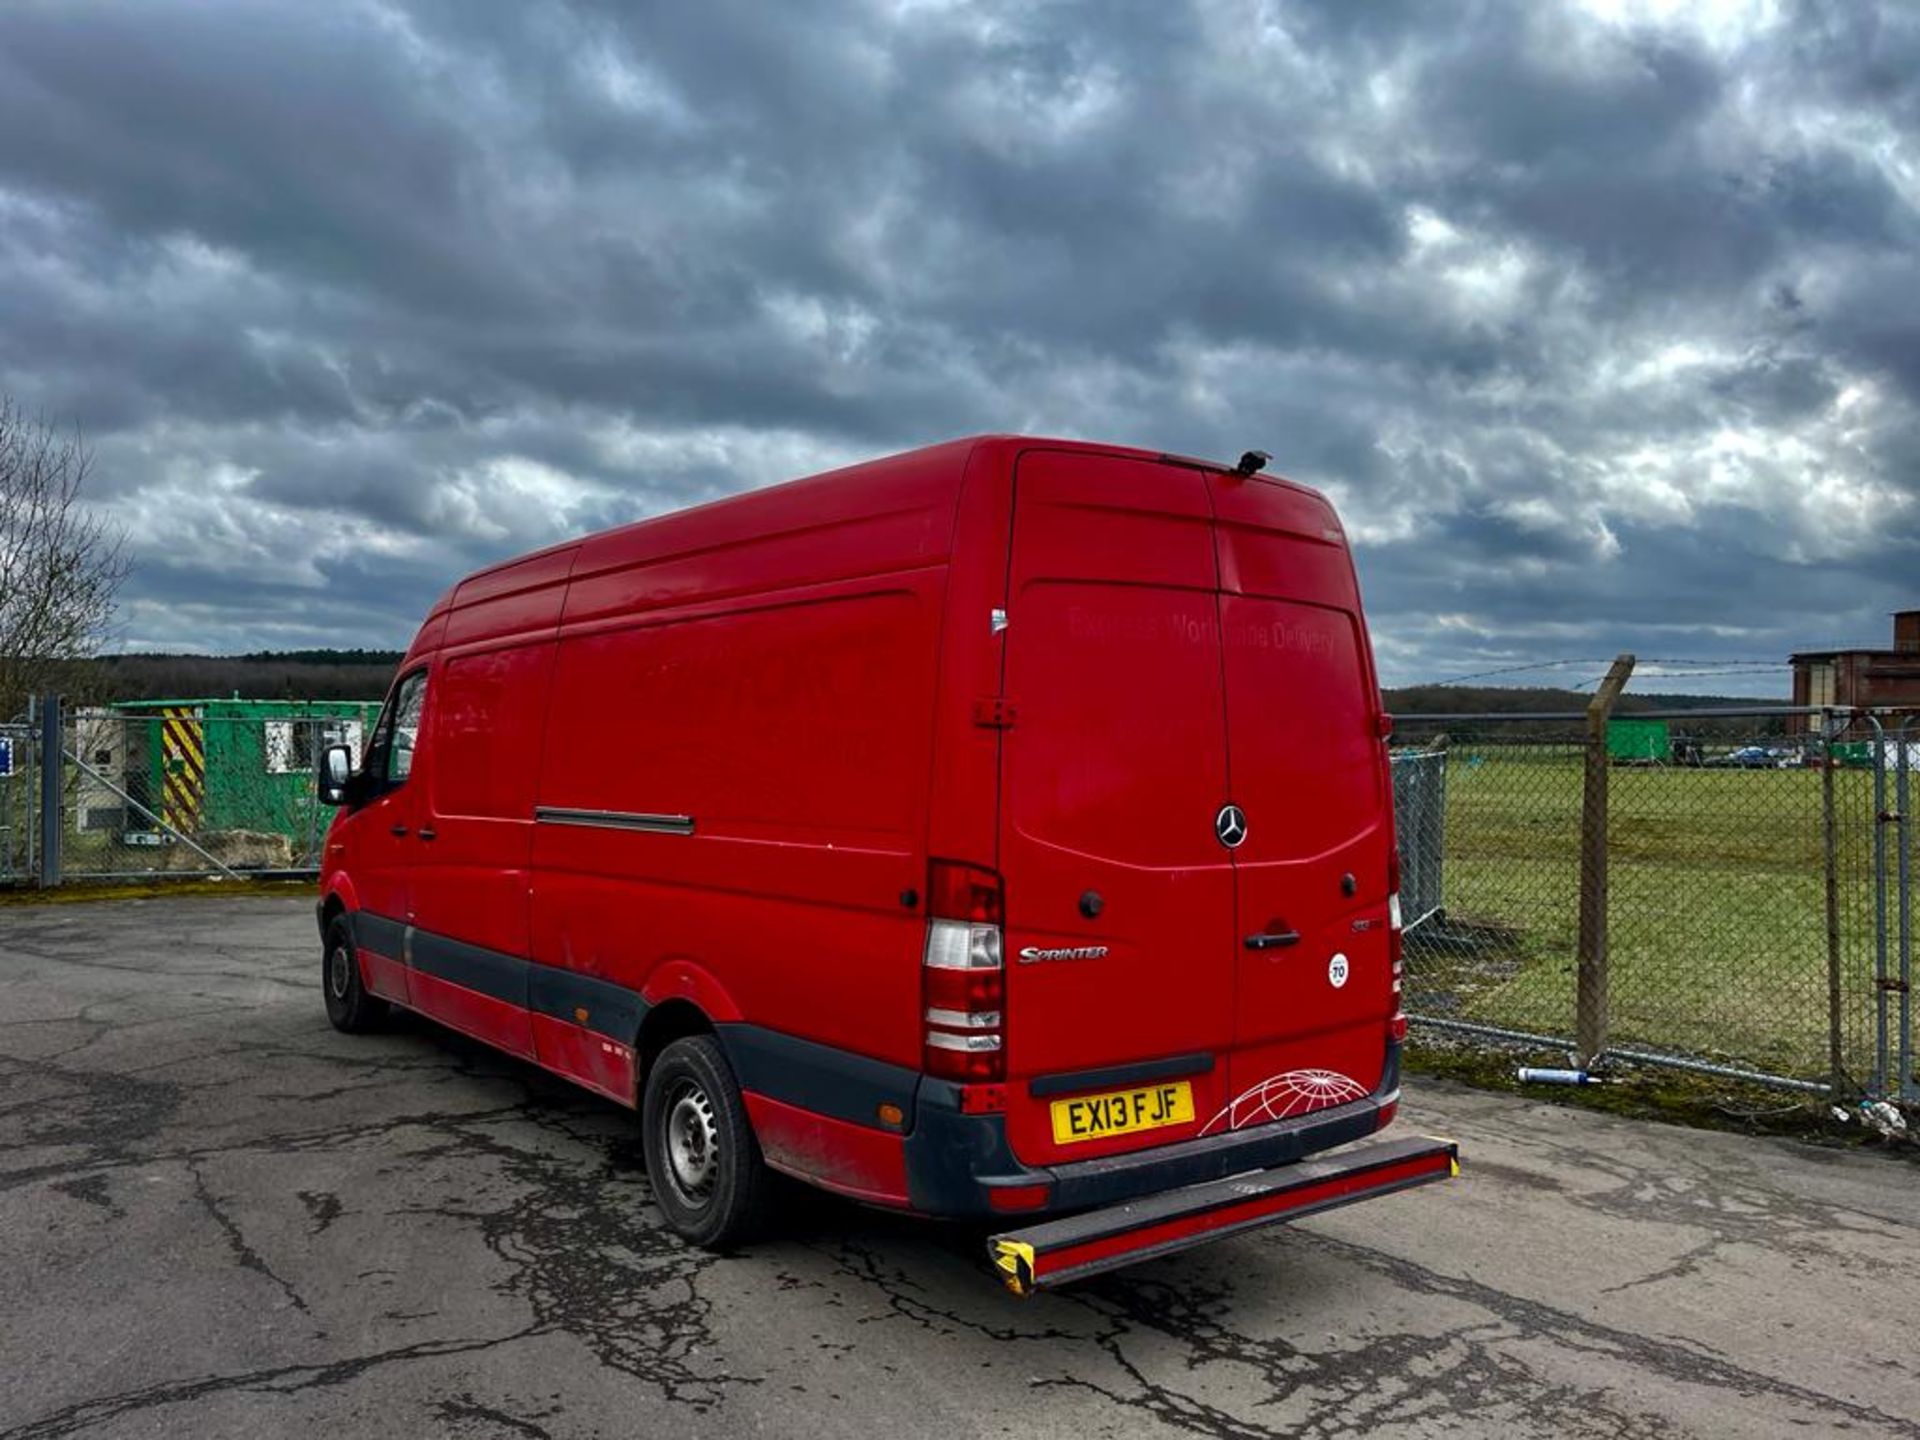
702 1158
349 1006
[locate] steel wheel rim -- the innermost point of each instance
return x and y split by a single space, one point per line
339 971
692 1142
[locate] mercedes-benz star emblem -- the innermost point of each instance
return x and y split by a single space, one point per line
1230 825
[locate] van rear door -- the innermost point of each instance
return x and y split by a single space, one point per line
1120 947
1309 772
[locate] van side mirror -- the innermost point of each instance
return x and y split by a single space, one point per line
336 775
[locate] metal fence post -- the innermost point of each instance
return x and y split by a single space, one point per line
1903 897
51 797
29 823
1880 819
1830 836
1590 1003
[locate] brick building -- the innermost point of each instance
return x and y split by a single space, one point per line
1863 677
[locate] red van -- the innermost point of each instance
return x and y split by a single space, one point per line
1002 829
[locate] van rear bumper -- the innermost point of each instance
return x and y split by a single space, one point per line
1058 1252
955 1162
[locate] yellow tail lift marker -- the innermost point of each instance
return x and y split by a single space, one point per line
1015 1260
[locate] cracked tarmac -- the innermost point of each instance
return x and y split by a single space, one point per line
220 1218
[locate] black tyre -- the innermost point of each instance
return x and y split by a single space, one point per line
702 1159
349 1006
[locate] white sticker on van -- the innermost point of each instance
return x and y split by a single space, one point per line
1280 1097
1337 971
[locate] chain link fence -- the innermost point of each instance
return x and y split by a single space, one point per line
184 788
1756 914
1759 868
19 813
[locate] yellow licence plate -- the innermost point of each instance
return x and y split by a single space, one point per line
1094 1117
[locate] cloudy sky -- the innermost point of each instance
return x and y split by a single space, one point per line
1600 322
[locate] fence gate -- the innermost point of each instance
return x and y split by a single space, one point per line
1420 818
1760 868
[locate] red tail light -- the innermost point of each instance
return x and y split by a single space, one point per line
963 977
1396 948
1019 1197
964 892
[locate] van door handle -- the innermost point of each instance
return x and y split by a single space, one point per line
399 830
427 833
1273 942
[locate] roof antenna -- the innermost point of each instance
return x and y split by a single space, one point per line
1252 463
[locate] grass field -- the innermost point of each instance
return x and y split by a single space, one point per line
1717 917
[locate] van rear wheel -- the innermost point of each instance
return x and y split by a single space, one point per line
702 1158
349 1005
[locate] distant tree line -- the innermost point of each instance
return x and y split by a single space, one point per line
1498 700
1409 706
388 658
264 675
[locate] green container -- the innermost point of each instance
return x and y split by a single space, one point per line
1639 741
237 764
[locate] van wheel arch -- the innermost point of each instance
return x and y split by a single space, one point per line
331 910
660 1027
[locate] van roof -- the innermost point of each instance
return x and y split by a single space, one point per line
881 480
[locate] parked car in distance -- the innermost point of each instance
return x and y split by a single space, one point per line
1758 757
999 830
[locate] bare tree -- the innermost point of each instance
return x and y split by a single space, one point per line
61 565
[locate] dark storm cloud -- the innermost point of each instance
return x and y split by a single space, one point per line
1601 321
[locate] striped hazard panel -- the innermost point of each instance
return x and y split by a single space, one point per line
183 767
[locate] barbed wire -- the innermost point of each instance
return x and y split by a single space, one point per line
1507 670
1640 674
1728 665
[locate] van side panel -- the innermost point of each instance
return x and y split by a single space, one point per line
801 719
964 810
790 742
856 1160
601 1063
734 784
385 978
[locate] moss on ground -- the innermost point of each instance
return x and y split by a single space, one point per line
1675 1096
149 887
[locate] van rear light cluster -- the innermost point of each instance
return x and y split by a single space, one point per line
963 976
1396 950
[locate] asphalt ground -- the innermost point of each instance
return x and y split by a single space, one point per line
220 1218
